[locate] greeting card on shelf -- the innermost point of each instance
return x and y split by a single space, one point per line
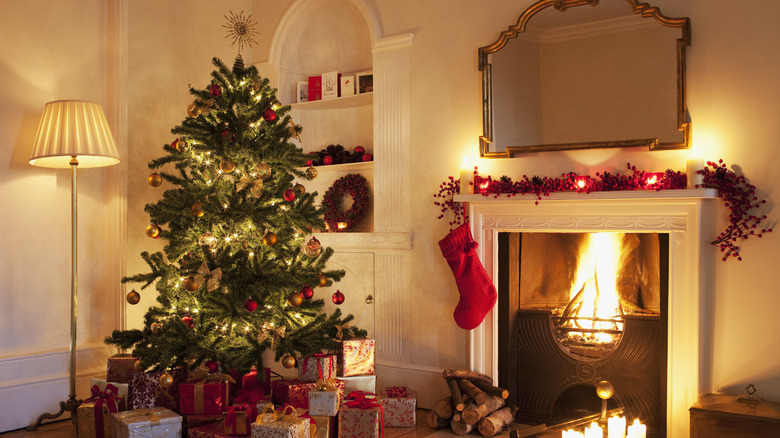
330 85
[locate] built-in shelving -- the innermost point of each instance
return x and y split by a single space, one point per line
337 103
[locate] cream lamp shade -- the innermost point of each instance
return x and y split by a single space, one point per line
73 128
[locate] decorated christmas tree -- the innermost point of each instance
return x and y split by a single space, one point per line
235 277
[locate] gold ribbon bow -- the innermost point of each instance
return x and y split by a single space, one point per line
268 415
214 275
199 106
294 130
325 384
340 330
293 419
255 185
276 335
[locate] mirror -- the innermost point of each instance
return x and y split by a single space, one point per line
585 74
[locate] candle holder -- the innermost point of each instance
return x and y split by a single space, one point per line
653 179
583 183
605 391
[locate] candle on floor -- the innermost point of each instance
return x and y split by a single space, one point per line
693 165
616 427
637 430
466 180
571 433
594 431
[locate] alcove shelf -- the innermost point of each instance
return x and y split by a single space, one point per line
337 103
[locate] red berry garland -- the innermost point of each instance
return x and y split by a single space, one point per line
353 185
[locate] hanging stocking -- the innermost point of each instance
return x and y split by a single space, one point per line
477 293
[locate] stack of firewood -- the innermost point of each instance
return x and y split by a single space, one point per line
474 404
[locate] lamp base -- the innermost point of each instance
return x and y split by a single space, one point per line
71 405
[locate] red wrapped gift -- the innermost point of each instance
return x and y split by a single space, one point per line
317 366
203 396
94 414
146 391
361 417
296 393
357 357
238 419
400 406
120 368
251 381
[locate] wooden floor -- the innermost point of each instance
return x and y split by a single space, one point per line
65 429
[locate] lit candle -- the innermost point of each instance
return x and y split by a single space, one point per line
582 182
342 226
616 427
466 179
571 433
694 165
653 178
594 431
637 430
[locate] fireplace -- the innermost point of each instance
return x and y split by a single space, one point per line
681 219
578 308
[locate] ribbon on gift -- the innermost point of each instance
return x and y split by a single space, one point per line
268 415
108 398
231 420
293 418
366 400
325 384
317 357
151 416
199 390
396 391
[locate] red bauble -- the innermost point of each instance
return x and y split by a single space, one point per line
228 134
213 366
337 297
187 320
270 115
307 292
309 163
289 195
367 157
327 159
215 90
359 149
250 305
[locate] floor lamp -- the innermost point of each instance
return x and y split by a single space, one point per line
72 134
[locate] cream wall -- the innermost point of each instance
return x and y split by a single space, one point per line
54 49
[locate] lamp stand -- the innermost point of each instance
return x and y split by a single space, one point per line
72 403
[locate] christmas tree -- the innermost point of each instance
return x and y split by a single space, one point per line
233 279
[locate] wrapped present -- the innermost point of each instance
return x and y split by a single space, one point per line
121 389
357 357
238 419
193 421
147 392
361 416
324 399
359 383
400 406
296 393
322 427
213 430
287 424
94 414
251 380
120 368
157 422
207 396
317 367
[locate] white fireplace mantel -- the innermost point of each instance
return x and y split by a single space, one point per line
684 214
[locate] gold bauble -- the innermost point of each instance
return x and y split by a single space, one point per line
193 110
155 180
166 380
137 365
227 166
270 239
207 239
153 231
300 188
263 170
313 247
288 361
190 284
295 299
197 209
311 173
181 145
133 297
156 327
323 280
245 244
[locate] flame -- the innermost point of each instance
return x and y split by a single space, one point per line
594 289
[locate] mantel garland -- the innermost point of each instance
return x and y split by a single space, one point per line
353 185
736 193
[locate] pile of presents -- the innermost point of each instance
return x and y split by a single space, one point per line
332 396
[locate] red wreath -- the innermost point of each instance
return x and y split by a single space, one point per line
353 185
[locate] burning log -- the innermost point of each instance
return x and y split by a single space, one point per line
472 391
460 427
468 375
473 413
444 408
437 422
496 422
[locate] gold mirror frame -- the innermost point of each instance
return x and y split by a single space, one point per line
646 11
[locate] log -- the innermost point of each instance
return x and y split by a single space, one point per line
495 422
468 375
461 428
444 407
462 405
457 395
472 391
492 390
473 413
457 416
435 421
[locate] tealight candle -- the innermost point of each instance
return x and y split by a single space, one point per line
653 178
694 165
594 431
466 180
637 430
582 182
342 226
616 427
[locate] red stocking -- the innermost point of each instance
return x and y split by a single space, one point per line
477 293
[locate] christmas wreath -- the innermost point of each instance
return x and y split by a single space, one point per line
353 185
